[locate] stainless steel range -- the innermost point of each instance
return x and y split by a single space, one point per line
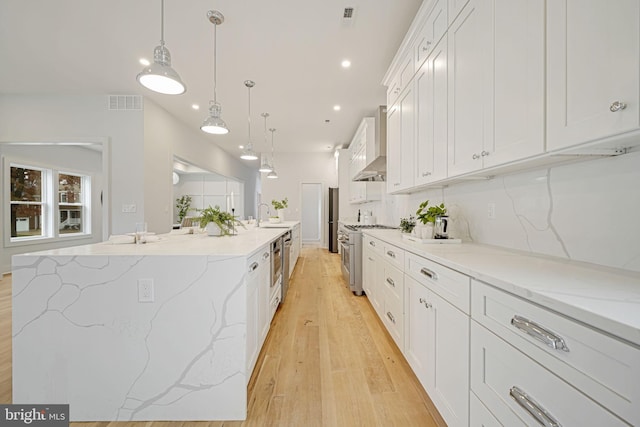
350 238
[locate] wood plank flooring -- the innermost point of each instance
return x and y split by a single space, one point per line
327 361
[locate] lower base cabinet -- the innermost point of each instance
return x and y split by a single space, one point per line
437 349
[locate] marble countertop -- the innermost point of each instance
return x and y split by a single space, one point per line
245 243
602 297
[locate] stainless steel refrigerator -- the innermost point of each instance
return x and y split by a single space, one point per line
333 220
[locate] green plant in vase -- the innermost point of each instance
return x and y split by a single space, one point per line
223 220
427 214
183 204
407 224
280 206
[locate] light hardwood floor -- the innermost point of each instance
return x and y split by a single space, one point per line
327 361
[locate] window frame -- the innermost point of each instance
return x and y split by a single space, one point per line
50 205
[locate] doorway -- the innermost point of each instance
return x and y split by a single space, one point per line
311 218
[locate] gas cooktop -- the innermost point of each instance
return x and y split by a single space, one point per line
356 227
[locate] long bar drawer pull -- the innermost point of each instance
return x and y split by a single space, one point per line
533 408
429 273
391 282
391 254
538 332
390 316
253 267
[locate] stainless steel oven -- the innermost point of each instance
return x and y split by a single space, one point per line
350 238
276 262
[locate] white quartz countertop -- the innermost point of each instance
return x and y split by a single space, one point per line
245 243
604 298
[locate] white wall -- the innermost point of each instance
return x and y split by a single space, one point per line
55 117
584 211
294 169
164 138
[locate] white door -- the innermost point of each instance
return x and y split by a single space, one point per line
311 212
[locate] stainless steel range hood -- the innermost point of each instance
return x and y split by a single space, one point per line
376 168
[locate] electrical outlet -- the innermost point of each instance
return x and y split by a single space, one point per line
491 211
145 290
129 208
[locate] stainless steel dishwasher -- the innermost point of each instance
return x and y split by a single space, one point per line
285 264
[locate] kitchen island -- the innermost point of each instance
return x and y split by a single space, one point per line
123 332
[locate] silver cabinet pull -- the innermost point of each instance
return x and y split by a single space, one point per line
370 259
253 267
396 184
617 106
533 408
391 254
426 47
475 156
429 273
539 333
426 174
390 316
265 255
484 153
391 282
426 304
372 243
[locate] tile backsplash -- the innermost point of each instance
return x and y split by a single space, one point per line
587 211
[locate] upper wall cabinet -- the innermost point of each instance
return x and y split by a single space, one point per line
593 70
496 84
455 7
431 33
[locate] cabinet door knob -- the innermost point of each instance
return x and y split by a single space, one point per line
484 153
426 46
426 304
617 106
475 156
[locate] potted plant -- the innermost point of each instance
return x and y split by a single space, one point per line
280 206
427 216
184 206
217 222
407 224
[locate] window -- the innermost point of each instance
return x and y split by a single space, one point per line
28 211
34 209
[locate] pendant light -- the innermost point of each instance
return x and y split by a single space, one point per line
159 76
214 123
265 166
273 174
248 153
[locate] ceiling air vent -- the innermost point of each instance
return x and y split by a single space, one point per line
348 15
125 102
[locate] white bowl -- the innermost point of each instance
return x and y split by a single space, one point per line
274 220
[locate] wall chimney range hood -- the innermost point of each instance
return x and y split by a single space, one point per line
376 153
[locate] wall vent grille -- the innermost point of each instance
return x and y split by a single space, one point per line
348 13
125 102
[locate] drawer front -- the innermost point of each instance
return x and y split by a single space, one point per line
275 302
394 255
449 284
602 367
257 262
500 374
372 243
393 282
393 317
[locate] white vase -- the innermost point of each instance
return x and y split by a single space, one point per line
426 231
213 229
281 214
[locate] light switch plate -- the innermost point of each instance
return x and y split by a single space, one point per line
491 211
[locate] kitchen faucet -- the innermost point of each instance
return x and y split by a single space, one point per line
258 216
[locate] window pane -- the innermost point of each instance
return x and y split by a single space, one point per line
70 219
70 188
26 220
26 185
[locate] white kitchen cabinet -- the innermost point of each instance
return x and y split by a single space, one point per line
401 79
455 7
514 387
437 348
593 63
496 84
296 246
372 272
258 281
479 415
431 32
431 116
364 191
401 142
596 364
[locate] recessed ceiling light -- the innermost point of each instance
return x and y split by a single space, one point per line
195 106
336 108
346 63
241 147
144 61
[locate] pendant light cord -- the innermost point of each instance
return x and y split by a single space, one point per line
249 118
215 37
161 22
